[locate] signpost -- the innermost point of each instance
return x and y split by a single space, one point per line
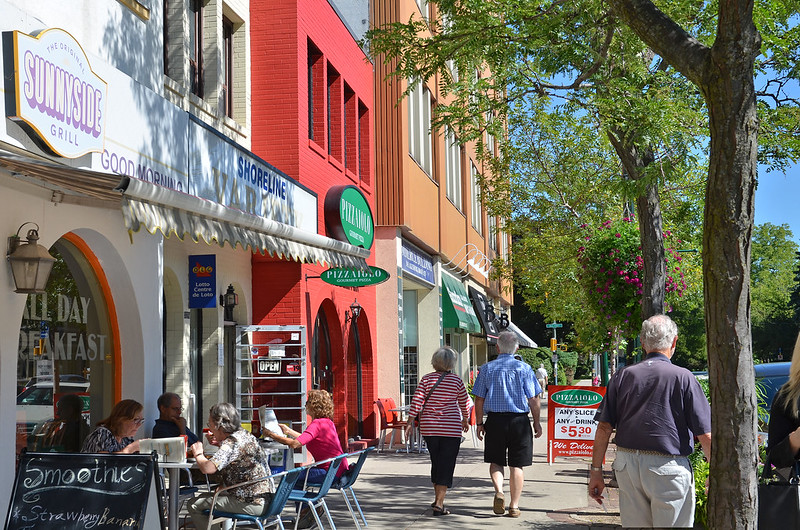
553 346
570 420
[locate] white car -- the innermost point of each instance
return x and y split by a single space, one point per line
35 402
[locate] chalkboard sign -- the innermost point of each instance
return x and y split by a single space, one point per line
69 491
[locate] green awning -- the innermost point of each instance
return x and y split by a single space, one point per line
457 310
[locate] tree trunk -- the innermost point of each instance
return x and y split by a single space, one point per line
725 75
648 213
654 284
728 226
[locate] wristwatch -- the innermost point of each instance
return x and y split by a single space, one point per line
479 425
596 468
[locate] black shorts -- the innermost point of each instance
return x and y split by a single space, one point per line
508 433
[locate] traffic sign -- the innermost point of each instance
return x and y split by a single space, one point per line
554 325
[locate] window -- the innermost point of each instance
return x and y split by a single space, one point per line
475 192
490 143
196 48
419 127
316 89
350 130
167 25
227 66
334 110
410 362
504 244
364 168
452 167
423 8
491 224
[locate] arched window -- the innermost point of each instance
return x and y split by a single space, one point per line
65 350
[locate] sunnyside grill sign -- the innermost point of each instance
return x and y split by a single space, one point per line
570 421
57 94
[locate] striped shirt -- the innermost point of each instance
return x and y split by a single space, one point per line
506 384
448 403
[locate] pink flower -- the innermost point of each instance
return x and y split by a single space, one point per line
618 234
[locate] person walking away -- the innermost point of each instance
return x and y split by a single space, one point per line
170 423
507 390
657 409
442 406
541 378
239 459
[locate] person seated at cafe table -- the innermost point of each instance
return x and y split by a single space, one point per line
240 458
170 423
115 433
320 437
322 441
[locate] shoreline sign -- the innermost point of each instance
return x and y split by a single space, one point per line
570 420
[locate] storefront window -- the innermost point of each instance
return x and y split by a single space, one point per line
65 365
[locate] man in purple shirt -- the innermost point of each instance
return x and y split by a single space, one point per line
657 409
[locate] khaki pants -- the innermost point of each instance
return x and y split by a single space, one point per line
654 491
225 503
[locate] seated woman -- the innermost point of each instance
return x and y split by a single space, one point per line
320 437
115 433
239 459
784 418
67 431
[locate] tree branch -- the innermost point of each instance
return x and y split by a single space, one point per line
688 55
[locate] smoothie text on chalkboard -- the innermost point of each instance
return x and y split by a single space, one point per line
80 491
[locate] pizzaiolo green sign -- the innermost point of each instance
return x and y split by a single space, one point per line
576 398
348 216
354 277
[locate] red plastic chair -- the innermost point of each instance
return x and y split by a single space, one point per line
473 427
389 421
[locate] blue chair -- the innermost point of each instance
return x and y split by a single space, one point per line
345 484
317 498
272 513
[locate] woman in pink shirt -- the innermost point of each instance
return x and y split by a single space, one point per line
320 437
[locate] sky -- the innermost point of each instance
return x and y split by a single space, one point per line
778 199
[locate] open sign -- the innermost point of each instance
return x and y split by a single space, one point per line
269 366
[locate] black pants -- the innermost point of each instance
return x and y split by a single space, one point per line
444 452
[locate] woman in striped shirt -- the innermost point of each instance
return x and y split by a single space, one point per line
442 406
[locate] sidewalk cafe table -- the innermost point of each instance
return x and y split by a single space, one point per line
173 493
413 442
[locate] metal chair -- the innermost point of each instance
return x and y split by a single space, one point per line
272 513
317 498
345 484
389 421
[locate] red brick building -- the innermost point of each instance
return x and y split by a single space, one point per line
312 98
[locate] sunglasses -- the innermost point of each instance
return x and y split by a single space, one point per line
138 421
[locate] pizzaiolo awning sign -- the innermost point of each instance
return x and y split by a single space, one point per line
354 277
57 93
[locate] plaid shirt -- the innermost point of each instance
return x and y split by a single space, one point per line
506 384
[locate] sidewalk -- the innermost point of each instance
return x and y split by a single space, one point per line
395 493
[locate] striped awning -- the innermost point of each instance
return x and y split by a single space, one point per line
158 209
155 208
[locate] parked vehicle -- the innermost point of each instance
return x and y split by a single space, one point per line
35 403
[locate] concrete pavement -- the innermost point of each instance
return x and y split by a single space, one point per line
395 491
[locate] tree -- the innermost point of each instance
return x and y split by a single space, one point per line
725 74
521 43
602 75
771 281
